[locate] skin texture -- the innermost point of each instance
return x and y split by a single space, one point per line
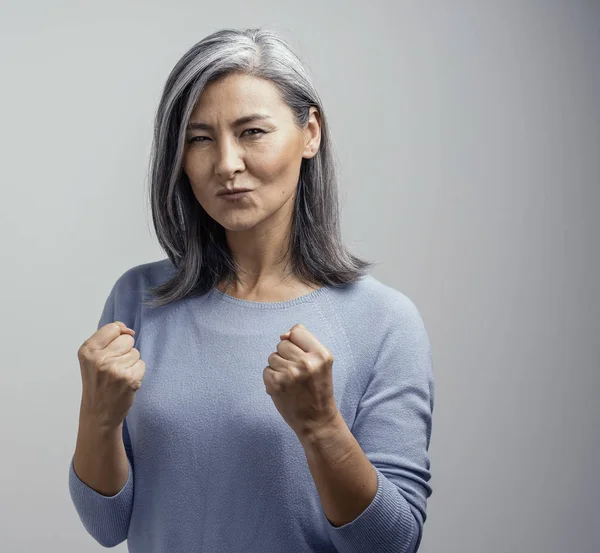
264 155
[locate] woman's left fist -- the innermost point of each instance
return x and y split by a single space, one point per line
300 382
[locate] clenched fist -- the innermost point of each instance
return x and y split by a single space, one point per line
111 373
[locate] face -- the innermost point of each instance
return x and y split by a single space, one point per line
263 155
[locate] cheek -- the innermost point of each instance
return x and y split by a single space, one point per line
277 166
193 167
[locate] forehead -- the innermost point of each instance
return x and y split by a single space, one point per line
237 94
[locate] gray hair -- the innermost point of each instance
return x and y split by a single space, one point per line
194 242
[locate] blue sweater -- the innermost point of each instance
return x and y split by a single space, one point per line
214 468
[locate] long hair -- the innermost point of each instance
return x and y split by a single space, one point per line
194 242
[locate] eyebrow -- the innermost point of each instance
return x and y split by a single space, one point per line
195 125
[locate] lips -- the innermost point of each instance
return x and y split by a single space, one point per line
233 191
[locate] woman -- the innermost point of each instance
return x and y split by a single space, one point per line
288 397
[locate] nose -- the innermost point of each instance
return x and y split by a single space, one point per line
229 160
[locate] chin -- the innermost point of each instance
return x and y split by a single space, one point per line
238 222
237 227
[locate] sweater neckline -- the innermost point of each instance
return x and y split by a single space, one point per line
310 296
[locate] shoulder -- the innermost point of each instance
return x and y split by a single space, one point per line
385 333
375 304
376 318
130 290
139 278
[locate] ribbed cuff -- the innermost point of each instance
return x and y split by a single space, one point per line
386 525
106 518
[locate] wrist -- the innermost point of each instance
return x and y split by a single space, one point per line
91 425
91 419
322 431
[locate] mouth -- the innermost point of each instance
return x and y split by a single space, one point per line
232 191
235 195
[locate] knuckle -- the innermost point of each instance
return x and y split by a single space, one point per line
105 364
296 373
102 366
326 356
307 363
84 351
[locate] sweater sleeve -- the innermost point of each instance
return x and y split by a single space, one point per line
106 518
393 427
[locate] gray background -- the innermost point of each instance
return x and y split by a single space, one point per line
469 139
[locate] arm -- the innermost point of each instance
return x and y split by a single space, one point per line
100 460
104 514
345 479
389 440
101 469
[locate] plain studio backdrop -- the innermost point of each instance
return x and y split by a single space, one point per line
468 135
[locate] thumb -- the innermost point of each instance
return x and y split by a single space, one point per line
124 327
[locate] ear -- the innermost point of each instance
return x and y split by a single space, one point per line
312 133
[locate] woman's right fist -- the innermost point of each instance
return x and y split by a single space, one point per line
111 373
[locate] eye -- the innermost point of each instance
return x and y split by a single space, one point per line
201 138
259 130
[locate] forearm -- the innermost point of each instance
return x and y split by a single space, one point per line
345 478
100 460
